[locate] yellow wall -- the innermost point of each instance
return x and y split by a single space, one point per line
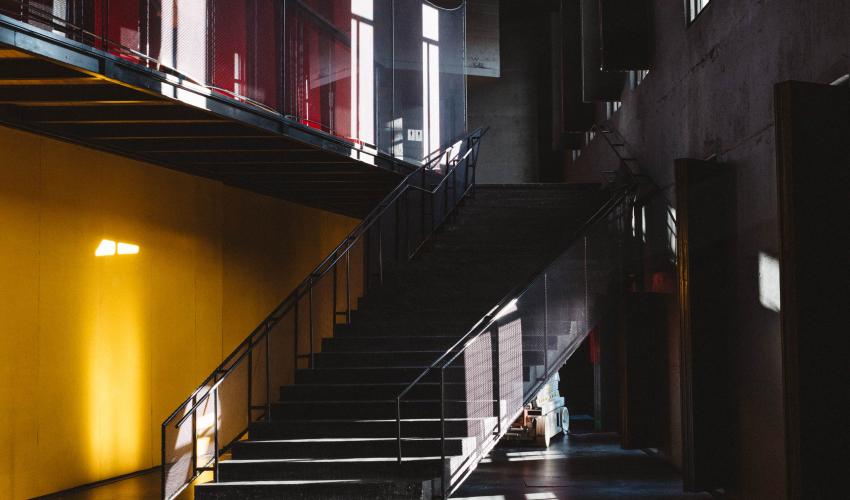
96 351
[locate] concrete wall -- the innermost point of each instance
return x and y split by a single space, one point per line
96 351
710 93
509 105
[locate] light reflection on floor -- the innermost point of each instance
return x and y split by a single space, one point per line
589 467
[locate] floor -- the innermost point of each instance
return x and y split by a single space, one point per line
142 487
582 467
579 467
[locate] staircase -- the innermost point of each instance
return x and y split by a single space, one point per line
333 433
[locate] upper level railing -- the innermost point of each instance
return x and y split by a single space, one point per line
240 389
507 357
382 73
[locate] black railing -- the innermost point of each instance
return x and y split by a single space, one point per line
507 357
239 391
264 55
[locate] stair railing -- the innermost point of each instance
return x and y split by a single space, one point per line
630 166
239 391
488 375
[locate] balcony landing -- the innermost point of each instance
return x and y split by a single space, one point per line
54 86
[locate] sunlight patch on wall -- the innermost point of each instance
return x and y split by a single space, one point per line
769 282
108 248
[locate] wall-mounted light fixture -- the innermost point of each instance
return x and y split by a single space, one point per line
110 247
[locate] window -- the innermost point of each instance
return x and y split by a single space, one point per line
362 71
431 78
695 7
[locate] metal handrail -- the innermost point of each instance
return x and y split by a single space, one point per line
483 325
605 131
116 49
323 267
209 387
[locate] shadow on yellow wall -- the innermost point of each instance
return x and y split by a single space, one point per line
96 351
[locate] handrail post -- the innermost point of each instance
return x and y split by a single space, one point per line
422 209
250 377
497 389
380 253
333 315
545 325
310 313
194 436
215 435
348 287
443 484
397 233
398 426
268 374
163 471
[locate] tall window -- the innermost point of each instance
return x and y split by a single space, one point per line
362 71
430 78
695 7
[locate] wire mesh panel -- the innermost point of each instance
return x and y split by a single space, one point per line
522 342
245 46
187 441
232 400
510 370
178 455
480 391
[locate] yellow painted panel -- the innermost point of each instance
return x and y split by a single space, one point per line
19 249
101 349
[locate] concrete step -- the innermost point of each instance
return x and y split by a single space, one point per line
369 392
316 490
373 410
399 342
330 469
438 326
376 358
373 375
380 375
388 343
348 448
386 428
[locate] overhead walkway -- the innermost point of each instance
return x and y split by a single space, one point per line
54 85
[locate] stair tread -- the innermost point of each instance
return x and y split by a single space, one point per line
394 335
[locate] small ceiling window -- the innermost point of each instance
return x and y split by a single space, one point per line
695 7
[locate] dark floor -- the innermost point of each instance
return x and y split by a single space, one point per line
584 467
142 487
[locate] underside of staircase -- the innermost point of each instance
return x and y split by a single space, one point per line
332 434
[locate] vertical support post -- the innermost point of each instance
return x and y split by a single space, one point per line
407 224
497 378
397 232
268 374
194 435
104 18
215 434
545 326
398 426
348 286
163 471
310 314
367 249
443 484
422 209
380 252
295 336
333 316
250 377
446 199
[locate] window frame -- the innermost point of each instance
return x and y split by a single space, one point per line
692 17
